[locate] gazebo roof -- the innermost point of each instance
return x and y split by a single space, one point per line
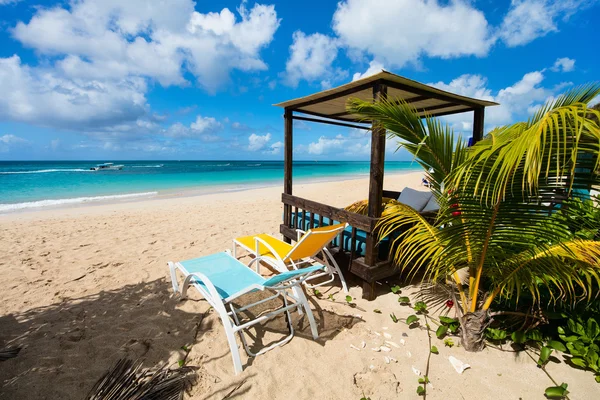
429 100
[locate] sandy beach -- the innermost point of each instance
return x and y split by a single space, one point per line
85 286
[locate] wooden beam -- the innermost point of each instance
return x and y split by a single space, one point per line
367 128
288 151
376 175
442 113
478 117
316 114
332 96
288 127
429 94
415 99
358 221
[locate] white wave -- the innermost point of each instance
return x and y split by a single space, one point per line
148 166
76 200
253 165
217 165
45 171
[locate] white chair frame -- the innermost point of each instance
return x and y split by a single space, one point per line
331 266
230 319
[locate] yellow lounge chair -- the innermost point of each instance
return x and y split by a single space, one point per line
282 256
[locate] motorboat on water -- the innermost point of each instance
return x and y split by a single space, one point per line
107 167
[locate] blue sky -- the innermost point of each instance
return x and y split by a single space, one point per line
142 79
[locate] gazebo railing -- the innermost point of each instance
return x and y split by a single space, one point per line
300 213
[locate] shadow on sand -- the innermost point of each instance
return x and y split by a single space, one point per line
67 346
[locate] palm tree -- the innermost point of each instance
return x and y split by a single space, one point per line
504 205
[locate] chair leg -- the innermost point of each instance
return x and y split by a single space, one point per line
311 319
173 276
233 347
297 291
336 267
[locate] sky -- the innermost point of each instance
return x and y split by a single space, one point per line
178 79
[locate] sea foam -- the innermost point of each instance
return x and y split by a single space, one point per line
76 200
45 171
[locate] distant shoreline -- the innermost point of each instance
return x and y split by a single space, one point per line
171 193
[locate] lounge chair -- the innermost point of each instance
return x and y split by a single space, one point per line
221 279
282 256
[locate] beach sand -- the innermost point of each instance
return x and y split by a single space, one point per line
85 286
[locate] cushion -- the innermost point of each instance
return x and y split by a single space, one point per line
414 198
432 205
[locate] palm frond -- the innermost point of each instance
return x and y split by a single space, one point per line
432 143
362 206
128 380
561 267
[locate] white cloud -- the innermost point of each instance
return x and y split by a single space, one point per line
374 68
275 148
528 20
516 101
204 128
564 64
311 58
339 145
154 39
9 142
98 56
42 97
258 142
398 32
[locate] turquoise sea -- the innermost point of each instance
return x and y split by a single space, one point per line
36 184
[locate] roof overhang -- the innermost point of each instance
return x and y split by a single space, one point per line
428 100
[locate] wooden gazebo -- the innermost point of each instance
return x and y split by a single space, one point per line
329 107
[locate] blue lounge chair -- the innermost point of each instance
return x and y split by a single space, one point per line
220 279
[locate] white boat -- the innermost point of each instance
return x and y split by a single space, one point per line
107 167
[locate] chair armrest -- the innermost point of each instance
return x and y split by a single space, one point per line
299 233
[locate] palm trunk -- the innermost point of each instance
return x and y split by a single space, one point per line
473 325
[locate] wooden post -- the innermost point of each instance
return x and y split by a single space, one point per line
376 175
478 116
287 164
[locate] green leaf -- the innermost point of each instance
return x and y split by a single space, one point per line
447 320
394 318
395 289
424 380
448 342
330 297
597 378
518 337
317 293
441 331
535 335
571 338
377 311
403 300
434 350
544 355
495 334
561 330
556 345
592 329
411 319
556 392
420 390
349 299
181 363
575 327
420 306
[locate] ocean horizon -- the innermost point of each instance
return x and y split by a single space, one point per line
38 184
